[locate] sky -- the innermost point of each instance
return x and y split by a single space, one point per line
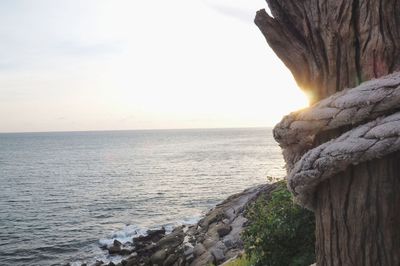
72 65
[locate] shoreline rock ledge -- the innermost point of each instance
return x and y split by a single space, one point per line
215 239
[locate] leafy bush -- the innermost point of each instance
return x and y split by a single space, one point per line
279 233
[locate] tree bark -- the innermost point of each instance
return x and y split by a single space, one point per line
357 215
329 45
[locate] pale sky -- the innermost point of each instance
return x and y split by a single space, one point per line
69 65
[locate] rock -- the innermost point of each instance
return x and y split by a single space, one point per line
150 247
214 239
125 252
238 224
198 250
209 243
192 230
223 229
212 231
200 238
159 257
214 216
232 253
133 256
171 259
188 251
229 243
172 240
98 263
146 251
117 248
218 255
130 262
114 249
180 262
189 258
156 231
120 249
111 264
156 235
179 228
204 260
220 245
152 236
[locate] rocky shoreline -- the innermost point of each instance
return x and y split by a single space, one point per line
215 239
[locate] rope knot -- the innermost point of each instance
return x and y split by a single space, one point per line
371 111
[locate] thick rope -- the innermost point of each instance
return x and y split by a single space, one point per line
371 110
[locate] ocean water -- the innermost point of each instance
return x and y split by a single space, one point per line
62 195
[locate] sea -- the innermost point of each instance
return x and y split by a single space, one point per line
63 195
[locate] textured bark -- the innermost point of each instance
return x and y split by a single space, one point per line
357 217
330 45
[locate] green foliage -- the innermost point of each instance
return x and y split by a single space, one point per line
280 233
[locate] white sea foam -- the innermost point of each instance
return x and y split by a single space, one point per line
124 235
90 183
129 232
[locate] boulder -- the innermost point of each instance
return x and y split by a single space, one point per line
172 240
130 262
223 229
117 243
209 243
220 245
212 217
159 257
119 248
212 231
189 258
152 236
205 259
218 254
114 250
171 259
198 250
213 240
180 262
228 242
188 252
98 263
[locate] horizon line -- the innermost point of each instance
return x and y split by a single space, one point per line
141 129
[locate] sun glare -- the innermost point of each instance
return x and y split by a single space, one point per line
114 72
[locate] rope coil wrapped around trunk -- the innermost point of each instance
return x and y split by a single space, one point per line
371 111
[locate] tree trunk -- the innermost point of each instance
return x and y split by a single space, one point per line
357 215
330 45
